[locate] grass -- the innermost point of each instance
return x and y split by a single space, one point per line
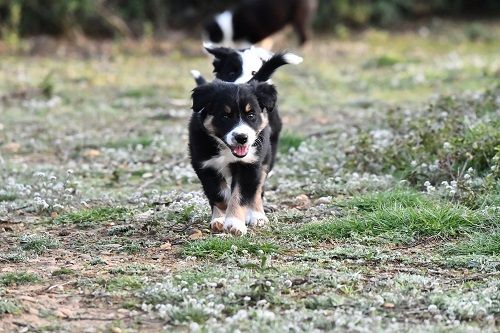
289 140
90 217
8 307
124 283
7 197
371 202
413 216
486 243
363 133
217 247
38 243
63 271
17 278
143 141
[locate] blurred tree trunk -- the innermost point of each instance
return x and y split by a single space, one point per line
160 8
114 20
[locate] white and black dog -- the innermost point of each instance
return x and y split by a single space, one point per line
254 20
240 65
233 137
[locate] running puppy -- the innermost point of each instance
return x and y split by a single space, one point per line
231 150
254 20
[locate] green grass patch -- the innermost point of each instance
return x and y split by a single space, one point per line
124 282
385 60
375 201
7 306
478 243
411 218
12 278
289 140
7 197
217 247
63 271
89 217
38 243
144 141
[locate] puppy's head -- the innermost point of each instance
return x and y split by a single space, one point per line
234 114
238 66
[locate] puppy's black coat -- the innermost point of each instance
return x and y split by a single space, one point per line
229 65
233 148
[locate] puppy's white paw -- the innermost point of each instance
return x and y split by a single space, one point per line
217 224
235 226
256 219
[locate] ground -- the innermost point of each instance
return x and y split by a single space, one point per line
384 203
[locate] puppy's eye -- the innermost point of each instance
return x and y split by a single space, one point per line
254 72
251 116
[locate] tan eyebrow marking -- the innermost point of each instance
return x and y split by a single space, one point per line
227 109
248 107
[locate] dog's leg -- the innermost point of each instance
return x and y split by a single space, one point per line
217 191
235 213
256 215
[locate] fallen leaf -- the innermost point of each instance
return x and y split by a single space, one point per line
196 234
166 246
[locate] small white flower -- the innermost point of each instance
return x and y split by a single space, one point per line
447 146
268 283
427 183
260 252
246 298
413 163
287 283
194 327
466 176
262 302
234 248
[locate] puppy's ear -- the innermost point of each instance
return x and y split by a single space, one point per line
266 95
202 96
217 52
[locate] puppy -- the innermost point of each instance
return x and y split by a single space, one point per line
239 66
254 20
231 149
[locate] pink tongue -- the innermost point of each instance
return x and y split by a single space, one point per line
240 150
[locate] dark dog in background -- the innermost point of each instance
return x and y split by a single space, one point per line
233 139
254 20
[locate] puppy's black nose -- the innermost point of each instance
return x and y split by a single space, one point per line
241 138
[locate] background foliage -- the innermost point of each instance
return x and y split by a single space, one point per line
134 18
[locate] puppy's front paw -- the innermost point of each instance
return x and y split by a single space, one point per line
217 224
256 219
235 226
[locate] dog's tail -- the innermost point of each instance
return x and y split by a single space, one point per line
198 78
275 62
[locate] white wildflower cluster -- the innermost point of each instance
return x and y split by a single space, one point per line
381 138
194 204
40 104
453 188
469 305
45 193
